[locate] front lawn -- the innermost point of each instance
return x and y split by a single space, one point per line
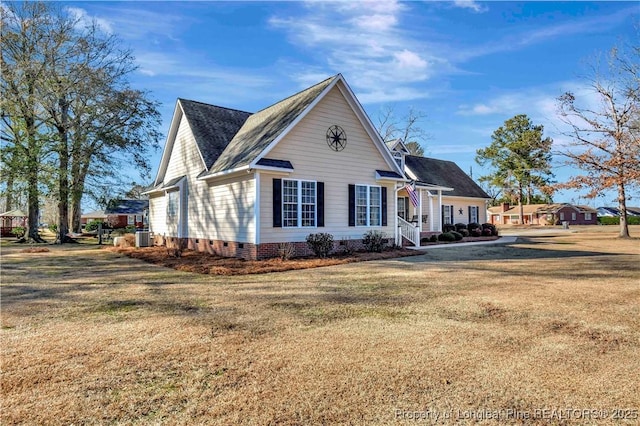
90 336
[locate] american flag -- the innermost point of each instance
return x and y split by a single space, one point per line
413 195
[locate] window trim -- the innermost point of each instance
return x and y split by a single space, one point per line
475 209
299 204
368 206
172 213
447 208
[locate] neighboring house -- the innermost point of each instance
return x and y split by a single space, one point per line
123 213
543 214
10 220
91 216
242 185
120 214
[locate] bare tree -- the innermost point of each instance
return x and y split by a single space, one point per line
24 37
407 128
605 137
72 93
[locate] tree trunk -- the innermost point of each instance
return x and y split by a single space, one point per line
8 203
622 207
520 191
63 176
33 192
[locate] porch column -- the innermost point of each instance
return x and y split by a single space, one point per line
431 225
420 211
440 207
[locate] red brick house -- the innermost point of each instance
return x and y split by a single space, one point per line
543 214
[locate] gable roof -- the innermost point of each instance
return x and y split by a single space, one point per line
230 140
264 127
213 127
127 206
444 173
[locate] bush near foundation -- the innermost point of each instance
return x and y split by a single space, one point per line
320 244
374 241
491 227
446 236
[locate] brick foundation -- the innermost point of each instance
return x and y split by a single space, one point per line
249 251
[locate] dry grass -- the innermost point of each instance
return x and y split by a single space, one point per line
92 336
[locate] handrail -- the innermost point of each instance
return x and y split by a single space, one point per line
409 231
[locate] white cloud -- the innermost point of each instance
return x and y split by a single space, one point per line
471 4
84 19
366 42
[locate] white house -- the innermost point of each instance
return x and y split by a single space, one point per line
241 184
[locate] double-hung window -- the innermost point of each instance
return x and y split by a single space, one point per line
447 215
299 203
368 205
473 214
172 205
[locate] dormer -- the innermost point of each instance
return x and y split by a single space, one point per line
398 150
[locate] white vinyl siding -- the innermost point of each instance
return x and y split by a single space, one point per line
313 160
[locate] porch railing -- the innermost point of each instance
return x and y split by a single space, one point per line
409 231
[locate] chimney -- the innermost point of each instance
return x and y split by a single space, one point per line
505 207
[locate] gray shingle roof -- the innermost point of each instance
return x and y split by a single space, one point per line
388 174
270 162
213 127
127 206
263 127
444 173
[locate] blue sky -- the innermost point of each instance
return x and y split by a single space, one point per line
467 65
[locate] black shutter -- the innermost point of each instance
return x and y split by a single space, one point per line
352 205
384 206
320 203
277 203
469 219
442 218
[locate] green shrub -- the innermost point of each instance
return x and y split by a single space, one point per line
460 226
130 229
486 232
446 236
374 241
433 238
491 227
53 227
93 225
447 227
472 226
476 232
456 235
320 244
18 231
